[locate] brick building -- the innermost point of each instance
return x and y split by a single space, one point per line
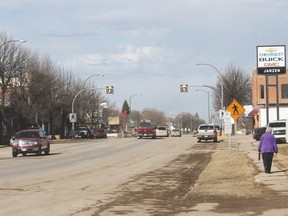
259 98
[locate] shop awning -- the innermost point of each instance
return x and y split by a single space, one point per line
256 110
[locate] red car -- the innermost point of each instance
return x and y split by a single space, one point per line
30 141
100 133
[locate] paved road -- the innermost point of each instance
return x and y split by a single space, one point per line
87 178
117 176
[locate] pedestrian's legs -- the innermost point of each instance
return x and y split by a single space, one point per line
265 161
269 161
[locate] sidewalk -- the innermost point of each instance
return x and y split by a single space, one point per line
277 180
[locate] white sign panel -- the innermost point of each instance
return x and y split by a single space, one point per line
227 117
221 114
227 123
72 117
271 59
228 128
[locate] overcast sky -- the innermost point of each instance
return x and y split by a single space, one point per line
149 47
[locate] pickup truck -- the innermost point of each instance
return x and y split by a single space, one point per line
146 129
207 132
279 129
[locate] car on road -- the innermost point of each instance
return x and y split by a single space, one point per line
146 129
162 131
83 132
176 132
30 141
207 132
99 133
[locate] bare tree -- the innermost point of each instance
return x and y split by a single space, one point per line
12 58
11 63
39 91
187 121
155 116
236 85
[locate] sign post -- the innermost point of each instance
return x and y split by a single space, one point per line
236 110
228 130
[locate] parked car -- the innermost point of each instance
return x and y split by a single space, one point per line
146 129
207 132
83 132
257 133
162 131
30 141
71 135
100 133
176 132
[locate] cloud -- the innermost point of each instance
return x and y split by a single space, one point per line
127 58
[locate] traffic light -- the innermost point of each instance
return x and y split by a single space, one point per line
184 88
109 89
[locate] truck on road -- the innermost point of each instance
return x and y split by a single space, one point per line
207 132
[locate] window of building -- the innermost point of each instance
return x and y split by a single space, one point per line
284 91
261 91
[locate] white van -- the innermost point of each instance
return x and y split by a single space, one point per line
162 131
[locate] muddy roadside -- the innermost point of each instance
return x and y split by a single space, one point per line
202 182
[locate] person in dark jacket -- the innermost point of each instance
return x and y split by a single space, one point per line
267 146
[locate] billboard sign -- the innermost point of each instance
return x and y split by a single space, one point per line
271 60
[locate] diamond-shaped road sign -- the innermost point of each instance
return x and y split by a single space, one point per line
236 109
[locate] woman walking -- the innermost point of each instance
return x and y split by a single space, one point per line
267 146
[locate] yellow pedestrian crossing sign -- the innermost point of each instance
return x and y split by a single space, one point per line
236 109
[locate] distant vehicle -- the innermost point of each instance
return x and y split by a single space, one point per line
218 129
279 129
71 135
146 129
162 131
30 141
100 133
207 132
257 133
83 132
176 132
194 133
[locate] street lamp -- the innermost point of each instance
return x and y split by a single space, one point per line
90 77
130 105
72 106
222 95
12 41
214 89
207 92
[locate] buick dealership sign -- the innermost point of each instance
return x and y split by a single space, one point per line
271 60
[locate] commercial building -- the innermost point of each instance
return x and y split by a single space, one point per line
259 98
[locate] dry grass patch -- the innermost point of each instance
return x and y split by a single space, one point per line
281 159
234 178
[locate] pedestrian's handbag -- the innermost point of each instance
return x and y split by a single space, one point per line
259 156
